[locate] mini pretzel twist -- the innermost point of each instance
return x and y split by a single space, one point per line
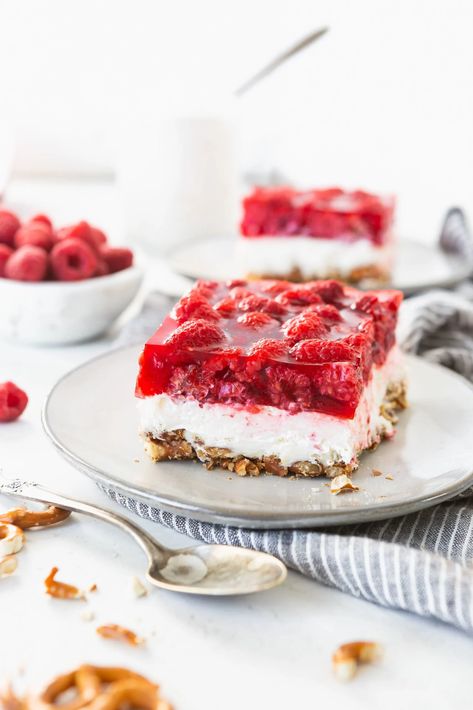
24 518
11 539
100 688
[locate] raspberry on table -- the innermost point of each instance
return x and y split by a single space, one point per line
9 225
72 259
13 401
5 254
28 263
116 258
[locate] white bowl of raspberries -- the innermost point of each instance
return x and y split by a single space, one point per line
60 286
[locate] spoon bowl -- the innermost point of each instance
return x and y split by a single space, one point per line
217 570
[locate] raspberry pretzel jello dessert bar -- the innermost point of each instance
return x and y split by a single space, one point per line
267 376
302 235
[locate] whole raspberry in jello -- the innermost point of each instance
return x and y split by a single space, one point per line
315 354
13 401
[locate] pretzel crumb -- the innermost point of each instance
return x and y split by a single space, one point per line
376 472
8 565
119 633
24 518
93 588
342 484
349 656
389 477
61 590
87 615
139 589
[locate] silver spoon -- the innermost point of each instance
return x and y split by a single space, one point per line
204 569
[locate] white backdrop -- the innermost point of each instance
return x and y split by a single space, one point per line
385 101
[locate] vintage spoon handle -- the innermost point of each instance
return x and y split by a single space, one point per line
34 492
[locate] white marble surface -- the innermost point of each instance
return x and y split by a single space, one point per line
270 650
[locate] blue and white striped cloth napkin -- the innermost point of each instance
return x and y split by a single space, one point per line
422 562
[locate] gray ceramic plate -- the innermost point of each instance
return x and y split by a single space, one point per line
418 266
91 418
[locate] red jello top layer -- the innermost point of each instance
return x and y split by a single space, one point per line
328 214
305 347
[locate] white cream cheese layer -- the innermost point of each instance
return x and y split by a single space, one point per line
306 436
313 256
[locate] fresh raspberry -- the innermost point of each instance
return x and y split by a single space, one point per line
274 308
194 306
195 334
38 235
304 326
99 238
5 254
268 348
28 263
9 225
13 401
94 237
116 258
72 259
304 295
226 307
326 311
256 319
102 268
42 219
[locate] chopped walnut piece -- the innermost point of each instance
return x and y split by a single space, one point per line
60 590
349 656
119 633
376 472
342 484
24 518
8 565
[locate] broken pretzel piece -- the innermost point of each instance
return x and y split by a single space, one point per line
349 656
119 633
8 565
97 688
11 539
342 484
61 590
24 518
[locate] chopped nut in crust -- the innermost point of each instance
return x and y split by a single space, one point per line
119 633
60 590
342 484
24 518
93 687
8 565
349 656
